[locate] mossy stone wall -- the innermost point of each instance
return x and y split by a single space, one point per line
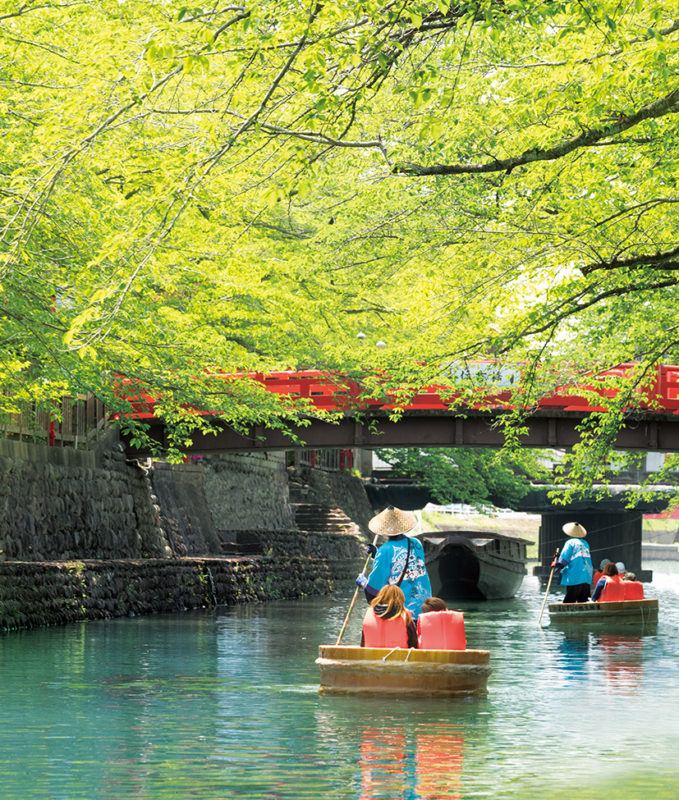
34 594
88 535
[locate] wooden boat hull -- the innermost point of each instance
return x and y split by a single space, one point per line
466 566
626 612
375 670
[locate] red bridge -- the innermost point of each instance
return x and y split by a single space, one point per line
441 416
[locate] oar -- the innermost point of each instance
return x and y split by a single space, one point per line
549 583
355 597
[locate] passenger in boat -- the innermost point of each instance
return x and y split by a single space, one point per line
634 589
575 563
600 571
620 566
438 628
399 561
610 587
387 622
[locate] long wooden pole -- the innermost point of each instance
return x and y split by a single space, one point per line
355 597
549 583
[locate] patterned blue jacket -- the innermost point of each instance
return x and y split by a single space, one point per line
388 566
577 563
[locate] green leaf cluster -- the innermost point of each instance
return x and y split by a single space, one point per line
476 476
192 191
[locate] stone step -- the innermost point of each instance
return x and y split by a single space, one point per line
316 508
318 518
236 549
319 512
334 517
321 518
337 526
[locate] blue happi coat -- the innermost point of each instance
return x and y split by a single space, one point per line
388 566
577 563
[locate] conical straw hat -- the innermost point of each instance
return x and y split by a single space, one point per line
392 522
574 529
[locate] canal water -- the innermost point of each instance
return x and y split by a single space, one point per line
225 704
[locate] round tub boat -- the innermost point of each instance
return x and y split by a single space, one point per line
377 670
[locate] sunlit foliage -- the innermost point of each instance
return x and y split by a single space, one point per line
193 190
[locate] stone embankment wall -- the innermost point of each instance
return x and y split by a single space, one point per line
339 489
33 594
248 490
60 504
86 535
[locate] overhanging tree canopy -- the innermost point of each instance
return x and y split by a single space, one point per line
246 186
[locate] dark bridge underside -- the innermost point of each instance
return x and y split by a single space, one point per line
650 431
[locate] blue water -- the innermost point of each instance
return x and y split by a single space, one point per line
221 704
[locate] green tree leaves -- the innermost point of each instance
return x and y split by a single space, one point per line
475 476
245 187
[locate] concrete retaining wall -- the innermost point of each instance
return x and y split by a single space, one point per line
659 552
185 518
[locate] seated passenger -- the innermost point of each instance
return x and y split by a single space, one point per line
634 589
599 573
387 622
438 628
610 586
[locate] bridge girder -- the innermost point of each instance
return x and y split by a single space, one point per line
545 429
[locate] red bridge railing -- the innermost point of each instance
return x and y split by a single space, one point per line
336 393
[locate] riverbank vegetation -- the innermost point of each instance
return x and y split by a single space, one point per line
192 191
476 476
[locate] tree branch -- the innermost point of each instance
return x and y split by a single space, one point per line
574 309
26 9
659 108
660 260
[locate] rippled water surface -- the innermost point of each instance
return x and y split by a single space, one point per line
225 704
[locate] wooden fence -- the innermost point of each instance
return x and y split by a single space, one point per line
75 422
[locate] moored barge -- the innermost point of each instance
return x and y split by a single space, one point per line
475 565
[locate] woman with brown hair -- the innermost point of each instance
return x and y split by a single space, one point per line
610 586
387 622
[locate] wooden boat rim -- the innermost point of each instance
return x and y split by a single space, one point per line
616 605
363 670
383 655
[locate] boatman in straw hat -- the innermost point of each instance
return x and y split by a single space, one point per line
399 561
575 562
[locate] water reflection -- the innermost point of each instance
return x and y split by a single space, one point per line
386 769
617 655
573 653
226 704
439 763
621 661
424 763
403 755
